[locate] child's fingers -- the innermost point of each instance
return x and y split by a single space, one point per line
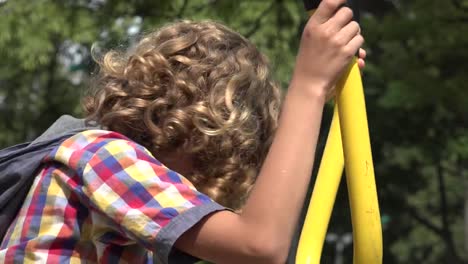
361 60
362 53
327 9
350 31
353 46
342 18
361 64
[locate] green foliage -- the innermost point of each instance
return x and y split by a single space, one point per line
418 118
45 47
415 83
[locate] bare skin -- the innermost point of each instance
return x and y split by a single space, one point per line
262 232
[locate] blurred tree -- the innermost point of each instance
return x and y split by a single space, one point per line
45 47
415 81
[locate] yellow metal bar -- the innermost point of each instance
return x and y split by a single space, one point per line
367 230
323 197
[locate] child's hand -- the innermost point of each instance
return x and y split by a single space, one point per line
329 42
362 59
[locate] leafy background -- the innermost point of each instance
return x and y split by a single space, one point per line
415 83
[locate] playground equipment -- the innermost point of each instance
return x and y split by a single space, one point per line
348 145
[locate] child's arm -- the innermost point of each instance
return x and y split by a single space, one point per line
262 232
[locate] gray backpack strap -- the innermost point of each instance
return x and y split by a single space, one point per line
66 124
19 165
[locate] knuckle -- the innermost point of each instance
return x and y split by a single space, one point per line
331 4
361 39
327 34
336 41
308 31
348 52
328 4
355 25
348 12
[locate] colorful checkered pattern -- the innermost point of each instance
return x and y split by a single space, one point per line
100 198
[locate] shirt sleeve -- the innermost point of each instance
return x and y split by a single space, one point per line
151 203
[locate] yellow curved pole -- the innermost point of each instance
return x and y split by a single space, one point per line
362 191
323 197
367 232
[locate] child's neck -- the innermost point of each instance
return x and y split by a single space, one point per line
177 161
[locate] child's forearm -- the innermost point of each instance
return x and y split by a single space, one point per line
278 195
262 232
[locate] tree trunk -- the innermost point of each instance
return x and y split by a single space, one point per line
465 179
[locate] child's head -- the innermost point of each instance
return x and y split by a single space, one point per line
196 89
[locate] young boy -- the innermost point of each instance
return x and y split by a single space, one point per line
189 121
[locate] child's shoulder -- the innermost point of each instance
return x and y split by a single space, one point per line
83 146
94 138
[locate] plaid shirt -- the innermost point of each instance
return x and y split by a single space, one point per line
101 198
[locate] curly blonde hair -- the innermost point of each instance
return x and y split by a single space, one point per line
197 88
